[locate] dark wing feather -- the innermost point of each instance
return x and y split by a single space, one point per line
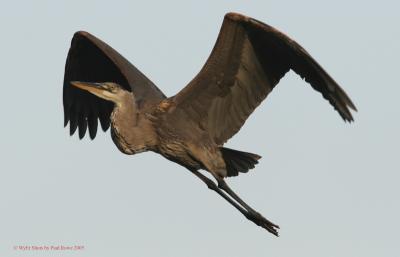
247 62
90 59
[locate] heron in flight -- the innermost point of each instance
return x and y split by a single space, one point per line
191 128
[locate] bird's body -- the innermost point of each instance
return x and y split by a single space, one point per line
135 132
191 128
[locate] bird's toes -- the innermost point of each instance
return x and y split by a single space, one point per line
258 219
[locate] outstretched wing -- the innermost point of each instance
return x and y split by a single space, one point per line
246 63
91 60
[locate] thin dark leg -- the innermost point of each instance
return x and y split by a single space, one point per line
252 214
211 185
246 210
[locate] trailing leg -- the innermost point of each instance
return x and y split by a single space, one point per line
223 189
251 214
211 185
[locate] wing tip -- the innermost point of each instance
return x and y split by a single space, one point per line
66 119
346 114
352 106
348 105
349 119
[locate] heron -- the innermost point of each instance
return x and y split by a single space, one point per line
190 128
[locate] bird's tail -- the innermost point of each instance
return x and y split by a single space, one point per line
237 161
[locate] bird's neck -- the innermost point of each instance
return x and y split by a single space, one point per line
131 131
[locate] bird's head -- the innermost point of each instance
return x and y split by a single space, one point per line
107 90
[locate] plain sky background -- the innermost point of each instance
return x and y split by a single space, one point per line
332 187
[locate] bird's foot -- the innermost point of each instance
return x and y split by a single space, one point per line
258 219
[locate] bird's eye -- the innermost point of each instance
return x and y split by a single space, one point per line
111 88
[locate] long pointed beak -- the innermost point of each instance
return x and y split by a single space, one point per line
94 88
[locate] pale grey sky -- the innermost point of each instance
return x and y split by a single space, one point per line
332 187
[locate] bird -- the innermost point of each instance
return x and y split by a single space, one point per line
191 128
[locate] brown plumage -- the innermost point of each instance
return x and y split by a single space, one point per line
190 128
